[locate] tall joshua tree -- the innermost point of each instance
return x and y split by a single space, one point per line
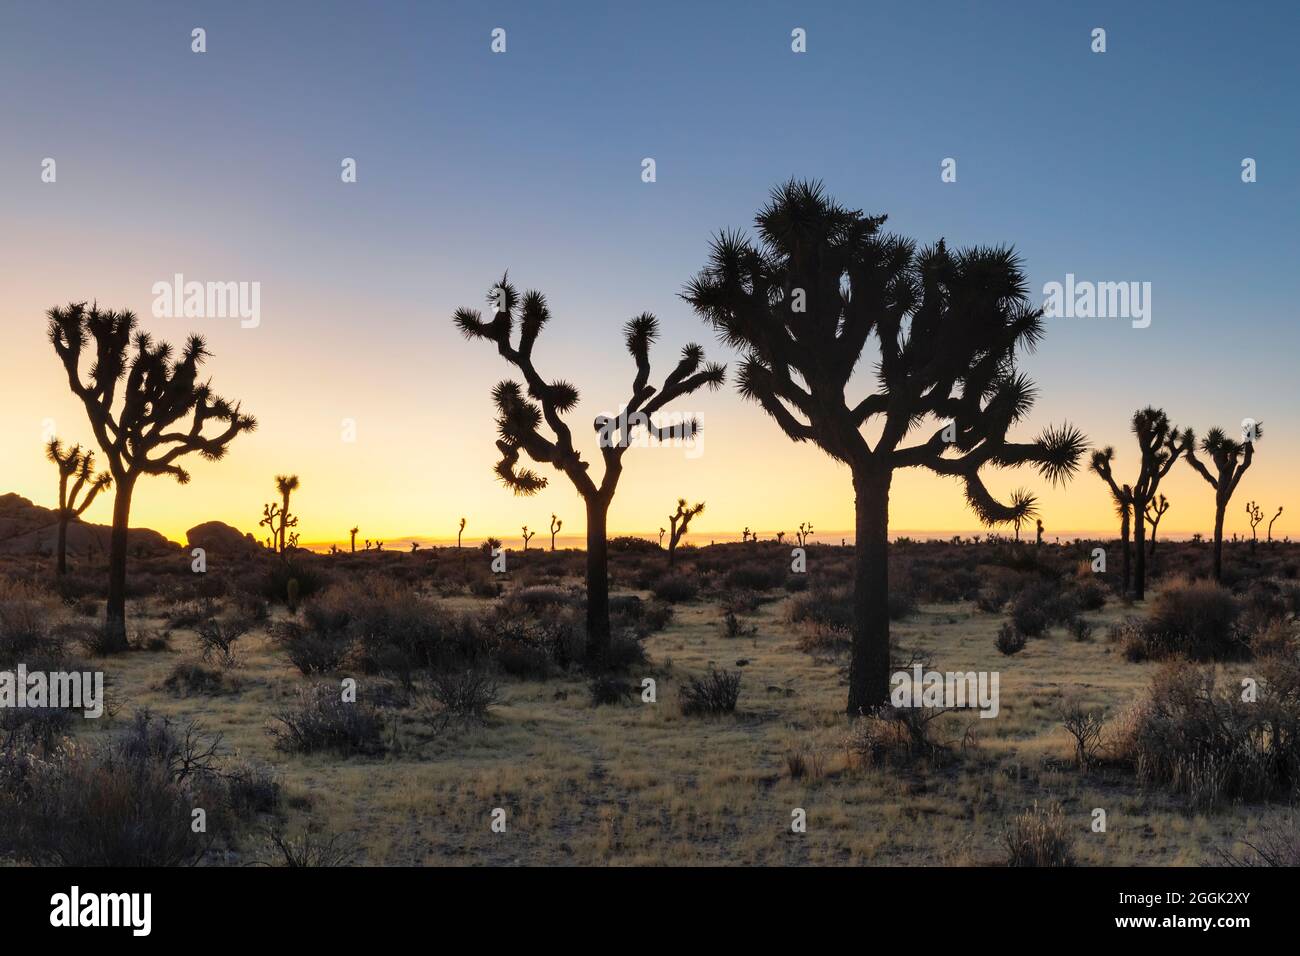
678 522
459 531
277 517
79 464
556 525
524 410
803 304
1156 509
1230 460
528 536
1122 496
1270 523
163 414
353 533
1255 515
286 485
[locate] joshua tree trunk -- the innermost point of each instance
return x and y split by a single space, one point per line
1220 507
869 673
1140 559
1124 535
597 581
115 609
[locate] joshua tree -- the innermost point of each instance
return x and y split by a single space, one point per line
1122 496
744 535
379 546
79 464
1155 511
804 302
805 532
780 537
164 410
353 532
1270 523
1230 459
662 532
460 531
1038 540
523 410
556 525
1255 515
678 523
286 485
528 536
1023 507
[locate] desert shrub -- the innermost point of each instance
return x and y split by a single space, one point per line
1276 845
992 599
1084 724
308 651
756 577
676 588
1028 618
27 618
715 693
1202 740
902 603
830 608
217 637
1040 837
253 788
894 736
1080 629
1009 640
126 802
606 689
630 544
1275 639
464 696
321 720
733 627
292 580
36 728
312 850
1090 594
1196 619
188 678
796 583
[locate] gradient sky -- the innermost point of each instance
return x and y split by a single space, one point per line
1122 166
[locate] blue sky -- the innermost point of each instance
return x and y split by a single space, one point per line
1117 166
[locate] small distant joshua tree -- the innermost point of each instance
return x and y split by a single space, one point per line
353 532
460 531
1024 507
556 525
1038 539
678 522
744 535
277 518
805 301
1230 460
523 410
780 537
1270 523
78 463
164 410
379 546
1255 515
805 532
1155 511
528 536
662 532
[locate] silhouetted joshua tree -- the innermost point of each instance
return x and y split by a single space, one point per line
1038 534
1270 523
744 535
1155 511
528 536
804 303
780 537
1122 496
149 434
556 525
1230 459
805 532
353 532
678 522
460 531
1023 507
662 532
522 410
1255 515
276 517
80 464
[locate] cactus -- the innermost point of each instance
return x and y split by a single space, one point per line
166 405
524 410
81 464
